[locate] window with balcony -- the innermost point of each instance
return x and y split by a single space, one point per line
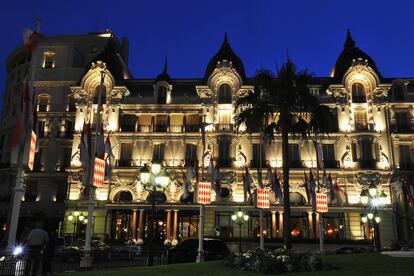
30 191
360 118
367 161
49 59
403 121
144 123
158 153
162 95
161 123
224 94
224 159
329 160
176 123
358 93
126 155
190 154
127 122
405 157
259 156
192 123
294 156
224 120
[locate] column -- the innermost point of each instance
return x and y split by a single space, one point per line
134 224
175 227
280 224
168 230
274 228
140 226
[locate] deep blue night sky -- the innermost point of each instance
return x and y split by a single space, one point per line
261 32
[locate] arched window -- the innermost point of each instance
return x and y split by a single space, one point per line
296 198
358 93
123 196
224 94
103 96
162 95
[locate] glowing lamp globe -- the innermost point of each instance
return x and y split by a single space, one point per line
370 215
372 190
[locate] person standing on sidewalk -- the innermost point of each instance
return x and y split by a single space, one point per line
36 241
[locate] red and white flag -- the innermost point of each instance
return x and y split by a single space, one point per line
99 172
204 193
32 151
263 200
321 203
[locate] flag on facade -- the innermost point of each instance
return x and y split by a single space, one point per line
329 184
321 203
204 193
30 38
312 189
269 175
32 151
277 188
340 195
85 146
100 144
109 158
259 178
263 200
247 184
99 172
215 177
319 155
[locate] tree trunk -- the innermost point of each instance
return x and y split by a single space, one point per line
287 240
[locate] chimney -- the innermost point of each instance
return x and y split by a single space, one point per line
125 49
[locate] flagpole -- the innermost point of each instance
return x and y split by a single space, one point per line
320 215
86 260
261 209
19 187
200 255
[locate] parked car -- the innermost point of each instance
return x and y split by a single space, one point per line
125 251
187 251
100 251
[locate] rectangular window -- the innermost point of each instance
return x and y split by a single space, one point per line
192 123
403 121
224 120
405 157
294 156
126 155
38 161
224 151
128 122
41 128
224 224
354 152
314 91
191 154
329 160
367 161
361 122
49 59
158 153
70 127
66 157
61 190
259 156
161 123
30 192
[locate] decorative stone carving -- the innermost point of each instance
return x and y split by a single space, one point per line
244 91
204 92
367 179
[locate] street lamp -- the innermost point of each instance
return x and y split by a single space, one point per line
240 218
74 219
153 179
374 199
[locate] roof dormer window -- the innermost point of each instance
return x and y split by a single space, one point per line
358 93
162 95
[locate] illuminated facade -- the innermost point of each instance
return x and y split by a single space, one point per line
160 119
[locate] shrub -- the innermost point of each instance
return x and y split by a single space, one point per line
279 260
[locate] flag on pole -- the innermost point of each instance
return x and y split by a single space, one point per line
215 177
330 186
277 188
100 144
204 193
247 184
312 189
321 203
86 146
263 200
307 188
259 178
109 158
319 155
32 151
340 195
187 177
99 172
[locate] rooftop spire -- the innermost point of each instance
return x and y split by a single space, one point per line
349 42
165 65
225 43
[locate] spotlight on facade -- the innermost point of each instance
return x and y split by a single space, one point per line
364 197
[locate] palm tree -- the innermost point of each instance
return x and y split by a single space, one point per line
283 104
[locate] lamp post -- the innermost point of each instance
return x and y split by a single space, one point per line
240 218
374 199
74 219
153 179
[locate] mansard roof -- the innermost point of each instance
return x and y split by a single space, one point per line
225 53
349 53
